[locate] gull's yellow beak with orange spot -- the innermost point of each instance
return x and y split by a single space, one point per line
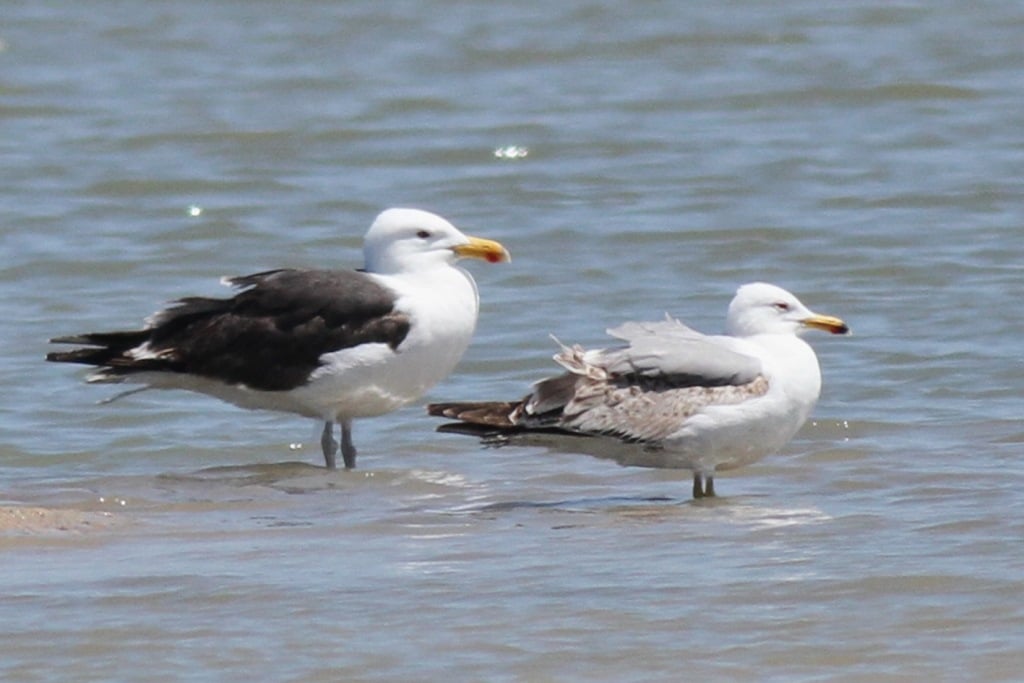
485 250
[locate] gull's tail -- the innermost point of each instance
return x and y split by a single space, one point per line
541 410
110 352
477 416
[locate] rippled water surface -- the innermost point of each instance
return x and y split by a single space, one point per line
636 158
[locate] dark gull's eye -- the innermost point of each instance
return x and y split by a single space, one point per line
423 234
781 306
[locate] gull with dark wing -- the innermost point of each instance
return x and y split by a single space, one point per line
672 397
333 345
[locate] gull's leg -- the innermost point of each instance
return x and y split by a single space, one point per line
329 445
348 449
703 486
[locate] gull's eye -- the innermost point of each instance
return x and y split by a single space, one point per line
423 234
781 307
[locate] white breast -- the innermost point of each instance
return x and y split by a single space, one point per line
727 436
373 379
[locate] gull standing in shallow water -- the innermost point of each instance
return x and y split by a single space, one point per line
673 397
333 345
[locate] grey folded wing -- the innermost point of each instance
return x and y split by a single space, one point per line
679 354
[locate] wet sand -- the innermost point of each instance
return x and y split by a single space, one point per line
27 521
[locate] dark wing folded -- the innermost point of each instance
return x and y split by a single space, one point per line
269 336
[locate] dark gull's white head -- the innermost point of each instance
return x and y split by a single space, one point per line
761 308
406 240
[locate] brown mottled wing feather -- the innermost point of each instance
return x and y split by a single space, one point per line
494 414
646 411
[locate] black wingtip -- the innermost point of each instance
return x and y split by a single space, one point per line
71 339
469 429
87 356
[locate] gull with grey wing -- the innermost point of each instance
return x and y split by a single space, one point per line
672 397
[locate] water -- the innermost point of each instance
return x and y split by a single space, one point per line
865 156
